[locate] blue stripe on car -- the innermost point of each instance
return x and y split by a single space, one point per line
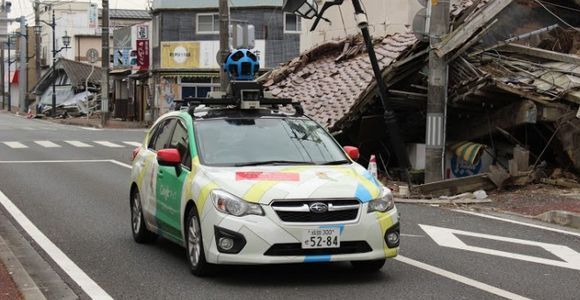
316 258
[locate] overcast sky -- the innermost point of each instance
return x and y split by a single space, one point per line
24 7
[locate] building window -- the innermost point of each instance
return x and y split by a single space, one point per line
198 87
292 23
208 23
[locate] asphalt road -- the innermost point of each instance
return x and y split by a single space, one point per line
83 208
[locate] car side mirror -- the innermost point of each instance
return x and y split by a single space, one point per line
352 152
170 157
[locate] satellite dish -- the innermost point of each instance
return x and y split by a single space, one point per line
419 22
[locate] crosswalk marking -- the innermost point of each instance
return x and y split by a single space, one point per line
108 144
136 144
47 144
15 145
78 144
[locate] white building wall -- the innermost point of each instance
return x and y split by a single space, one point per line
385 17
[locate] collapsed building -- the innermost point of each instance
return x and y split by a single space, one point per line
513 92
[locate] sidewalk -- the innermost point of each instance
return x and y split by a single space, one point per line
88 122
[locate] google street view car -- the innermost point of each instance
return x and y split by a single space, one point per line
238 179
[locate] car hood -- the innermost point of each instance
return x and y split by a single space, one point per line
264 184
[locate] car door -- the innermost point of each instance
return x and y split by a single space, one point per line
170 184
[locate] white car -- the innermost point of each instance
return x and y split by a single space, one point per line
258 187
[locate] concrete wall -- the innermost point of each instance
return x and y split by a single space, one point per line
180 25
384 17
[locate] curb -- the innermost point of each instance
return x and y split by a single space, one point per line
24 282
560 217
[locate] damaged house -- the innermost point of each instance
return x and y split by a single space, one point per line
513 92
76 85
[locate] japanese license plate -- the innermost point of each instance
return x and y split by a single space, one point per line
319 238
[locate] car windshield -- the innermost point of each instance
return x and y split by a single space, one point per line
265 141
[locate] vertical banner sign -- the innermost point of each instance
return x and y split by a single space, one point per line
143 54
142 32
93 15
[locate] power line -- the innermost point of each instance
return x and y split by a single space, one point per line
560 6
556 16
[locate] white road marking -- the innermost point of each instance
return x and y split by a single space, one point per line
447 237
411 235
109 144
120 164
136 144
91 288
456 277
518 222
92 128
15 145
47 144
52 161
78 144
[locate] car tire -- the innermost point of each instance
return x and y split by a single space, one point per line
141 234
368 266
194 246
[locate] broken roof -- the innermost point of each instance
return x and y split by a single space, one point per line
77 73
330 79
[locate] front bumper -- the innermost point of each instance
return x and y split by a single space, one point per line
271 241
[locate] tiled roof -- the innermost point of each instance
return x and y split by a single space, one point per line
332 77
133 14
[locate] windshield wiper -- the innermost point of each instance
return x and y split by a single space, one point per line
274 162
336 162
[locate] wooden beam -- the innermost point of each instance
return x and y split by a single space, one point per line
459 36
542 53
455 186
522 112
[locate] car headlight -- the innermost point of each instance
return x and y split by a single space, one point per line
383 204
232 205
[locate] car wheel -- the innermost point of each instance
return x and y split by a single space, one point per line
368 265
194 245
141 234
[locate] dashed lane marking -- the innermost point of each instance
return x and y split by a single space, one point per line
109 144
15 145
47 144
136 144
78 144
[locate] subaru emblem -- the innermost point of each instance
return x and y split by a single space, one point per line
318 208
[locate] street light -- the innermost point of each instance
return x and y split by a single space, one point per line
65 41
304 8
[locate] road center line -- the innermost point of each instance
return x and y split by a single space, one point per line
517 222
456 277
91 288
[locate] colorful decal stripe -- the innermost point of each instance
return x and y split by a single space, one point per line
317 258
267 176
386 222
257 191
203 195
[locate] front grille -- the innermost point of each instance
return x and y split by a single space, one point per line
293 249
334 216
299 211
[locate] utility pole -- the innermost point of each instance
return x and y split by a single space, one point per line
23 77
37 51
437 92
224 13
2 75
105 63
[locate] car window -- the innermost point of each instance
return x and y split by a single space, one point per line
153 137
164 135
236 141
180 141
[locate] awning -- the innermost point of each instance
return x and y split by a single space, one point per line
142 74
468 151
120 72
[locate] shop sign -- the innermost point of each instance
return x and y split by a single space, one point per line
179 55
